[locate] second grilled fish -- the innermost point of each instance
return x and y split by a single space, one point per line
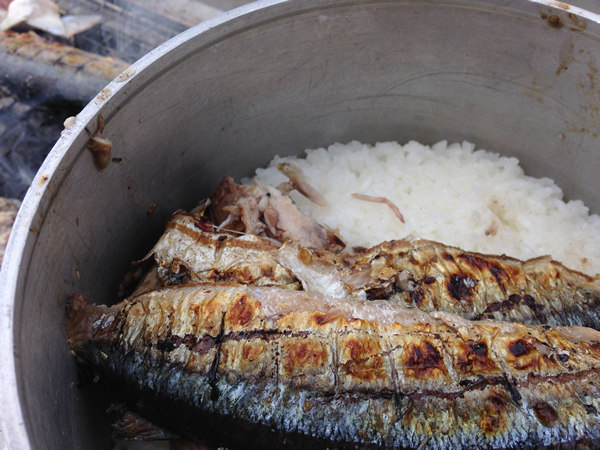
424 274
436 277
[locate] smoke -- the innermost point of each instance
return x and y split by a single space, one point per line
38 93
131 28
30 124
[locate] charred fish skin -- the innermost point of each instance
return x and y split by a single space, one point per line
478 286
186 252
214 350
423 274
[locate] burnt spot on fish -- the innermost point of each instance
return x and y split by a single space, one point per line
494 414
590 409
530 302
305 363
527 354
212 373
545 413
537 308
422 361
448 257
479 348
460 287
166 345
242 312
519 347
305 353
417 296
473 358
491 266
361 359
429 280
515 395
368 370
512 302
359 348
248 358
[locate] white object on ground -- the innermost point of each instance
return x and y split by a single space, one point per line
45 15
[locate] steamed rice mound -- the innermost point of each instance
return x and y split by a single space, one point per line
475 200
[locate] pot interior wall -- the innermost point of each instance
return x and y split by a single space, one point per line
278 80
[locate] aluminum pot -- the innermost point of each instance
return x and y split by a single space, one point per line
275 77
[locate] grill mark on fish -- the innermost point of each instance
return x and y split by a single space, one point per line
205 343
512 302
208 239
515 395
212 373
545 413
478 286
460 287
442 278
431 391
493 267
212 256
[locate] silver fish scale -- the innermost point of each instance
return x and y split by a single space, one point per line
350 416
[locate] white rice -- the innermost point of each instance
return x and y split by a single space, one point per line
476 200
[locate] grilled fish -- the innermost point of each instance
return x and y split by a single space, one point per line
265 211
419 273
436 277
254 365
187 252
